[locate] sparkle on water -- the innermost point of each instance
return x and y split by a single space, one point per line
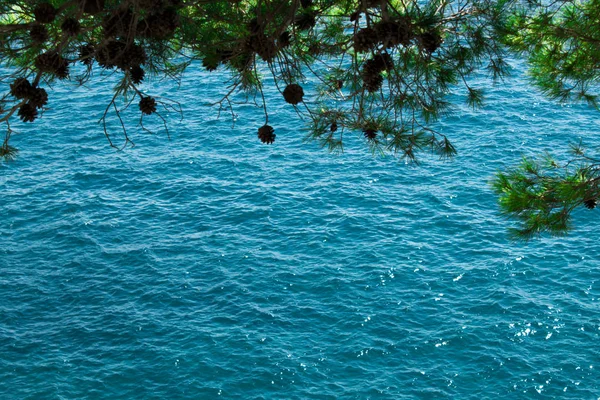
214 265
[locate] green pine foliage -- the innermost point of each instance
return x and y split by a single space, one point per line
385 67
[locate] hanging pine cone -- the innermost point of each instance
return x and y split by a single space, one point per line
383 62
305 21
333 127
38 34
137 74
293 93
147 105
370 133
52 63
210 62
160 25
86 54
71 26
266 134
371 74
263 46
44 13
394 33
118 23
38 98
21 88
373 84
27 113
135 55
92 6
430 41
284 40
372 3
118 53
355 16
590 204
364 40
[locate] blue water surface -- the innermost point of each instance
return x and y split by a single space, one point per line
213 266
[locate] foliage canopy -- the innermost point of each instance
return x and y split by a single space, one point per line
384 67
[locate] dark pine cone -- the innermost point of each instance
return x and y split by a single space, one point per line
27 113
44 13
284 39
71 26
92 6
38 33
383 61
430 41
590 204
373 83
365 39
118 23
266 134
135 55
305 21
393 33
160 25
147 105
86 54
210 62
21 88
293 93
306 3
39 98
137 74
266 48
52 63
373 3
370 133
333 126
117 53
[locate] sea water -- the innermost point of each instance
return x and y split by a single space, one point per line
210 265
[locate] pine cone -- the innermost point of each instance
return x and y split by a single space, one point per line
86 54
118 23
266 134
383 61
39 98
27 113
210 62
305 21
265 47
293 93
430 41
137 74
44 13
160 25
365 39
284 40
117 53
92 6
590 204
370 133
71 26
52 63
38 34
306 3
147 105
21 88
373 84
333 126
393 33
